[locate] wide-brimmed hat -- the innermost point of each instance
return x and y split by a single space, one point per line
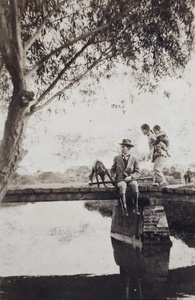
126 142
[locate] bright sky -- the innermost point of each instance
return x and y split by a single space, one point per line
80 133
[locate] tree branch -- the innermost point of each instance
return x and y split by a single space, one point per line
16 29
11 42
52 85
77 79
31 40
84 36
36 108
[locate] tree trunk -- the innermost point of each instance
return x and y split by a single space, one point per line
11 151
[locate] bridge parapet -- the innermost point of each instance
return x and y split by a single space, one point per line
155 194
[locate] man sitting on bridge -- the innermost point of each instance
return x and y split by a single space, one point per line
125 169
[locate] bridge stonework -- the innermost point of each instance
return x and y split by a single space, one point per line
155 225
155 195
148 227
156 204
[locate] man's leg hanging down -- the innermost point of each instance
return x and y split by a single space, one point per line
122 191
123 204
136 204
135 195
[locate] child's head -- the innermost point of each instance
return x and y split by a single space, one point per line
145 128
156 129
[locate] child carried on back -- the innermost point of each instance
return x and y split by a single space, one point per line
161 144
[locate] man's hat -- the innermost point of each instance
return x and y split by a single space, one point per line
126 142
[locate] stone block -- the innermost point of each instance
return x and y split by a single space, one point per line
28 191
189 192
168 190
149 228
31 198
56 191
85 189
71 190
153 188
19 191
42 191
143 188
179 191
11 192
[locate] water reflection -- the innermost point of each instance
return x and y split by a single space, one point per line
63 251
56 238
139 276
143 264
144 270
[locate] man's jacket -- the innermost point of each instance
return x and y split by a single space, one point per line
119 171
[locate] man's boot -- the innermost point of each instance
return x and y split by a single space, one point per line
123 205
136 205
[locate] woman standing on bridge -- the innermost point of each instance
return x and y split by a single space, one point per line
158 159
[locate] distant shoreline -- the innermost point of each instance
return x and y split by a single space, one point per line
76 177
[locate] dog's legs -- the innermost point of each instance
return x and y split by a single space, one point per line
97 179
91 175
109 176
102 178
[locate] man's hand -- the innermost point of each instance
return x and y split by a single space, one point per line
128 178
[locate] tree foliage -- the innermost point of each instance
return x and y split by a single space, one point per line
61 41
47 46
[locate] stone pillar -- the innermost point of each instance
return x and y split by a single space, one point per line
150 226
155 225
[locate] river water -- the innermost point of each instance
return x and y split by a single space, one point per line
61 250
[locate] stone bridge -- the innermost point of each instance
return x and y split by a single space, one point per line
152 225
155 194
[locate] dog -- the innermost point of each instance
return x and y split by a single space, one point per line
98 169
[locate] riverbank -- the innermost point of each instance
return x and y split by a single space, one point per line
180 215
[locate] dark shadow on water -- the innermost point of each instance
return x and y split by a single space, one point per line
131 283
63 287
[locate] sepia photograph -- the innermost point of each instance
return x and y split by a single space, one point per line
97 149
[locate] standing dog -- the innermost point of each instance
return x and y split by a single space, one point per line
99 170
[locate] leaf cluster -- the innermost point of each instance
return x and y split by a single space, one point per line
63 40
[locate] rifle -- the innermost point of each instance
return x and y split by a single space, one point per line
115 181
